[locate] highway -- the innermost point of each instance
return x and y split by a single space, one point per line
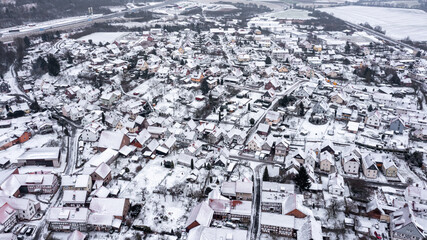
78 23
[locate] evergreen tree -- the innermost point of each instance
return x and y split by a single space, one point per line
301 109
204 87
347 47
53 66
268 60
302 179
103 117
249 106
39 67
192 164
252 121
370 108
27 42
35 106
395 79
266 176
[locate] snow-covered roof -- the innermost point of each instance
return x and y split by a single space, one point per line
202 214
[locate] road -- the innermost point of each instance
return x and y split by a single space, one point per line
73 148
256 204
80 23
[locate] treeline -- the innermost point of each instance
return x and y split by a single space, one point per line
376 28
27 11
329 22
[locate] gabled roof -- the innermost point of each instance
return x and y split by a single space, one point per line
202 214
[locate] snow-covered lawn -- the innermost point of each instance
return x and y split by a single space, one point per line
398 22
104 37
291 14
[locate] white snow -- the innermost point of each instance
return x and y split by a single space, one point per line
398 22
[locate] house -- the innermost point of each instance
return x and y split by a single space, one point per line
107 156
101 173
103 222
8 217
320 107
389 168
404 225
118 207
278 224
112 139
293 206
263 129
46 156
197 77
369 168
17 184
303 92
67 219
397 125
201 215
326 161
311 158
272 118
282 147
416 193
235 210
375 210
92 132
328 146
213 233
338 98
26 208
81 182
373 119
273 83
237 190
255 144
336 184
351 164
74 198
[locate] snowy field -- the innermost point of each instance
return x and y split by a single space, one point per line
104 37
291 14
399 23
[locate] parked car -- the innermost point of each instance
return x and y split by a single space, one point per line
230 225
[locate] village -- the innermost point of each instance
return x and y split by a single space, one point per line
207 126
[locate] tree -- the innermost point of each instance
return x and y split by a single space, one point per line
301 109
204 87
370 108
39 67
192 164
268 60
418 54
252 121
266 176
27 42
347 47
346 61
249 106
302 179
69 57
103 117
53 66
35 106
395 79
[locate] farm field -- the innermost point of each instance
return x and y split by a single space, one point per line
399 23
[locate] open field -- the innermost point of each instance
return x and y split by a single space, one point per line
398 23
